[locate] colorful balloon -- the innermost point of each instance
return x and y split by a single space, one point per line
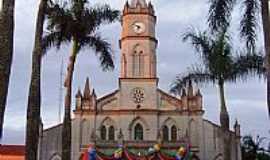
182 151
178 157
118 153
91 152
157 147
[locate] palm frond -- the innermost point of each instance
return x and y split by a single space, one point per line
219 14
248 23
248 143
53 39
247 65
102 49
220 59
99 15
196 75
200 41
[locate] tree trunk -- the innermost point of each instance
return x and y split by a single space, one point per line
34 98
266 29
66 131
224 116
225 122
6 53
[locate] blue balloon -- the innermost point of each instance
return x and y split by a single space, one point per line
92 155
178 157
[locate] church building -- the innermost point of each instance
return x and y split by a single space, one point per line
138 114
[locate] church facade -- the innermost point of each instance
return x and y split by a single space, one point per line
138 114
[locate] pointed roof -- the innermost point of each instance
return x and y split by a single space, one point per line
87 92
236 124
79 93
199 93
134 3
94 93
190 89
183 93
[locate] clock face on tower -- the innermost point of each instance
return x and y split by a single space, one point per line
138 27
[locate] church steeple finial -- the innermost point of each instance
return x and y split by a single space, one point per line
142 3
190 89
87 92
79 93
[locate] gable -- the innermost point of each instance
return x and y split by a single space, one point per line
168 102
109 101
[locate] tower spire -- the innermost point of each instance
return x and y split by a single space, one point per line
134 3
190 88
87 92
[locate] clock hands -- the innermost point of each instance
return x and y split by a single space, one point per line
138 26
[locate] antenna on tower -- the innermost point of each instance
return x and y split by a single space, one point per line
60 102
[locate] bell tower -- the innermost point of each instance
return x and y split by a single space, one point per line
138 43
138 78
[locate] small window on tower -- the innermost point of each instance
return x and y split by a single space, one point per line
138 61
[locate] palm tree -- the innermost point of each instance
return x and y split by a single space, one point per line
252 148
34 98
6 53
219 19
219 65
77 23
266 28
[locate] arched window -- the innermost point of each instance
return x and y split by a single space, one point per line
138 61
165 132
111 133
138 132
174 133
103 132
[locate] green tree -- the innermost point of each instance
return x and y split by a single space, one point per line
252 149
6 53
34 98
77 23
219 19
219 65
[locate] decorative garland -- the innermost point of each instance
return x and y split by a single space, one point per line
154 153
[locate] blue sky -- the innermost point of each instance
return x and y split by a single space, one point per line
246 101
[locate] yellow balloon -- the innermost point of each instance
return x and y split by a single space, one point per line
181 151
157 147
